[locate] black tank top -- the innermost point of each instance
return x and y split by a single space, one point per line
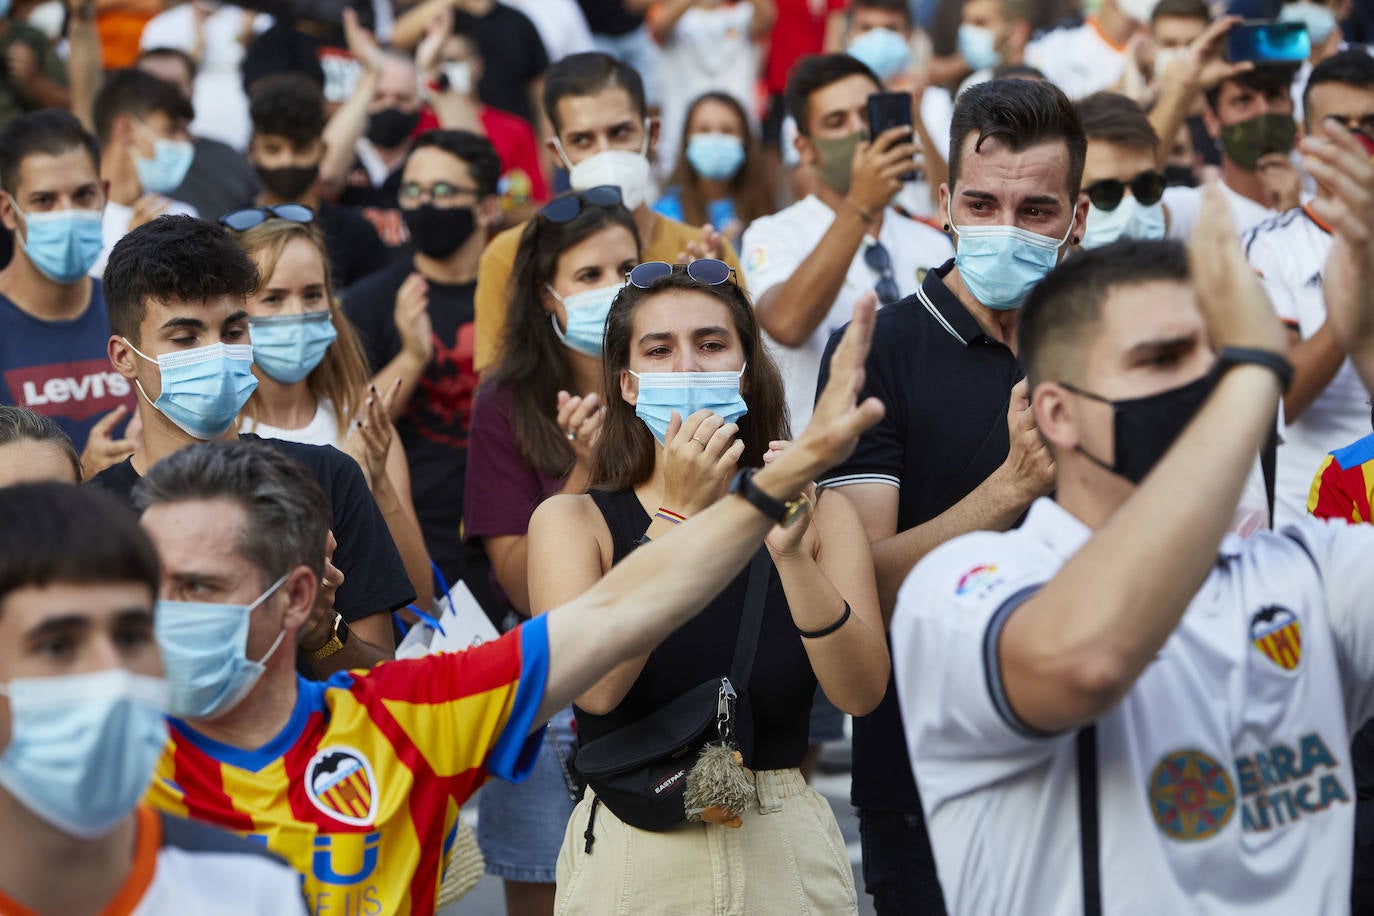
782 683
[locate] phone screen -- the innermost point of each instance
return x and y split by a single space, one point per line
1269 42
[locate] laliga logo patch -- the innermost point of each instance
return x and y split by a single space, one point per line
1277 632
1191 796
339 782
977 580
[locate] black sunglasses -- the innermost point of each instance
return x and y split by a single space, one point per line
1147 188
249 217
565 209
707 271
879 260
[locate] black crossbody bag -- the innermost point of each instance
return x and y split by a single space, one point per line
640 771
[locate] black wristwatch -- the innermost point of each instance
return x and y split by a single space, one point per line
783 513
1236 356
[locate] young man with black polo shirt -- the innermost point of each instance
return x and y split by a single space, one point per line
179 334
958 449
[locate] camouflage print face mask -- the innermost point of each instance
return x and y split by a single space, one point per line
1247 142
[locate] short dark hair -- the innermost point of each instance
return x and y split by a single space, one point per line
1114 118
1021 114
476 151
891 6
1181 9
133 92
815 72
289 105
1017 72
58 532
590 73
1352 67
49 132
172 258
1268 80
18 424
288 515
1050 337
187 60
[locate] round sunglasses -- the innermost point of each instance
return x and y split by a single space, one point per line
248 217
1147 188
565 208
708 271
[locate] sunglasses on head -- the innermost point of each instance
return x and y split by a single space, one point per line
707 271
249 217
1147 188
565 209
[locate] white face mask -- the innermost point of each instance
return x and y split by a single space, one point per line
1139 10
1129 220
621 168
459 75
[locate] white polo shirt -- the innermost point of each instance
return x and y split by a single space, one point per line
1185 205
1079 60
1224 775
1289 253
775 246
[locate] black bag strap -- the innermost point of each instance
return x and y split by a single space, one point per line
1268 468
1088 821
751 621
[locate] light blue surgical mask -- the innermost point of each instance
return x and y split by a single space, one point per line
978 47
203 389
205 651
289 347
661 393
83 746
717 157
883 51
171 160
1320 21
586 313
1000 264
61 244
1128 221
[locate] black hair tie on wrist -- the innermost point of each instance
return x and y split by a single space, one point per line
826 631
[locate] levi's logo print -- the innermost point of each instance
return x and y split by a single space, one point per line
1277 633
1192 796
76 390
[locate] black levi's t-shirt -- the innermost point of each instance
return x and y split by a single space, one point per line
375 580
434 426
946 386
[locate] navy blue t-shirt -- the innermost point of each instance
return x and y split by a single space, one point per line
59 368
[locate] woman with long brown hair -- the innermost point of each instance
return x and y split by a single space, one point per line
312 377
534 425
720 176
692 396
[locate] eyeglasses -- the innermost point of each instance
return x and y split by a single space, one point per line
248 217
1147 188
707 271
441 192
879 260
566 208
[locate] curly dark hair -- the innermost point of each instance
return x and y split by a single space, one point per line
288 105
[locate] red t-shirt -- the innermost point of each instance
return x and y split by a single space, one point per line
515 144
798 31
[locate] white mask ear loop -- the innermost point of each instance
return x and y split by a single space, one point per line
256 604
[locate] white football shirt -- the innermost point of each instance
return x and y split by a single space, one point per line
1079 60
1289 253
1225 784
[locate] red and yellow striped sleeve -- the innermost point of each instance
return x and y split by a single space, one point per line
1339 492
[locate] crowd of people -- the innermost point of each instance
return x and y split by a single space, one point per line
1027 444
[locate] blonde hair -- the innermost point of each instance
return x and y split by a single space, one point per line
342 375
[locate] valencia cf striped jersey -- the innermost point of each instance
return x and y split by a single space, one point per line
360 790
1344 482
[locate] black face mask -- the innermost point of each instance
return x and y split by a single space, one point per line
390 127
1144 428
1179 176
439 233
288 182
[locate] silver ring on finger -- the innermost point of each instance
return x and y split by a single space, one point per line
699 442
571 435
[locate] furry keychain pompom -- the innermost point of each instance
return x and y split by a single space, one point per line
719 787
